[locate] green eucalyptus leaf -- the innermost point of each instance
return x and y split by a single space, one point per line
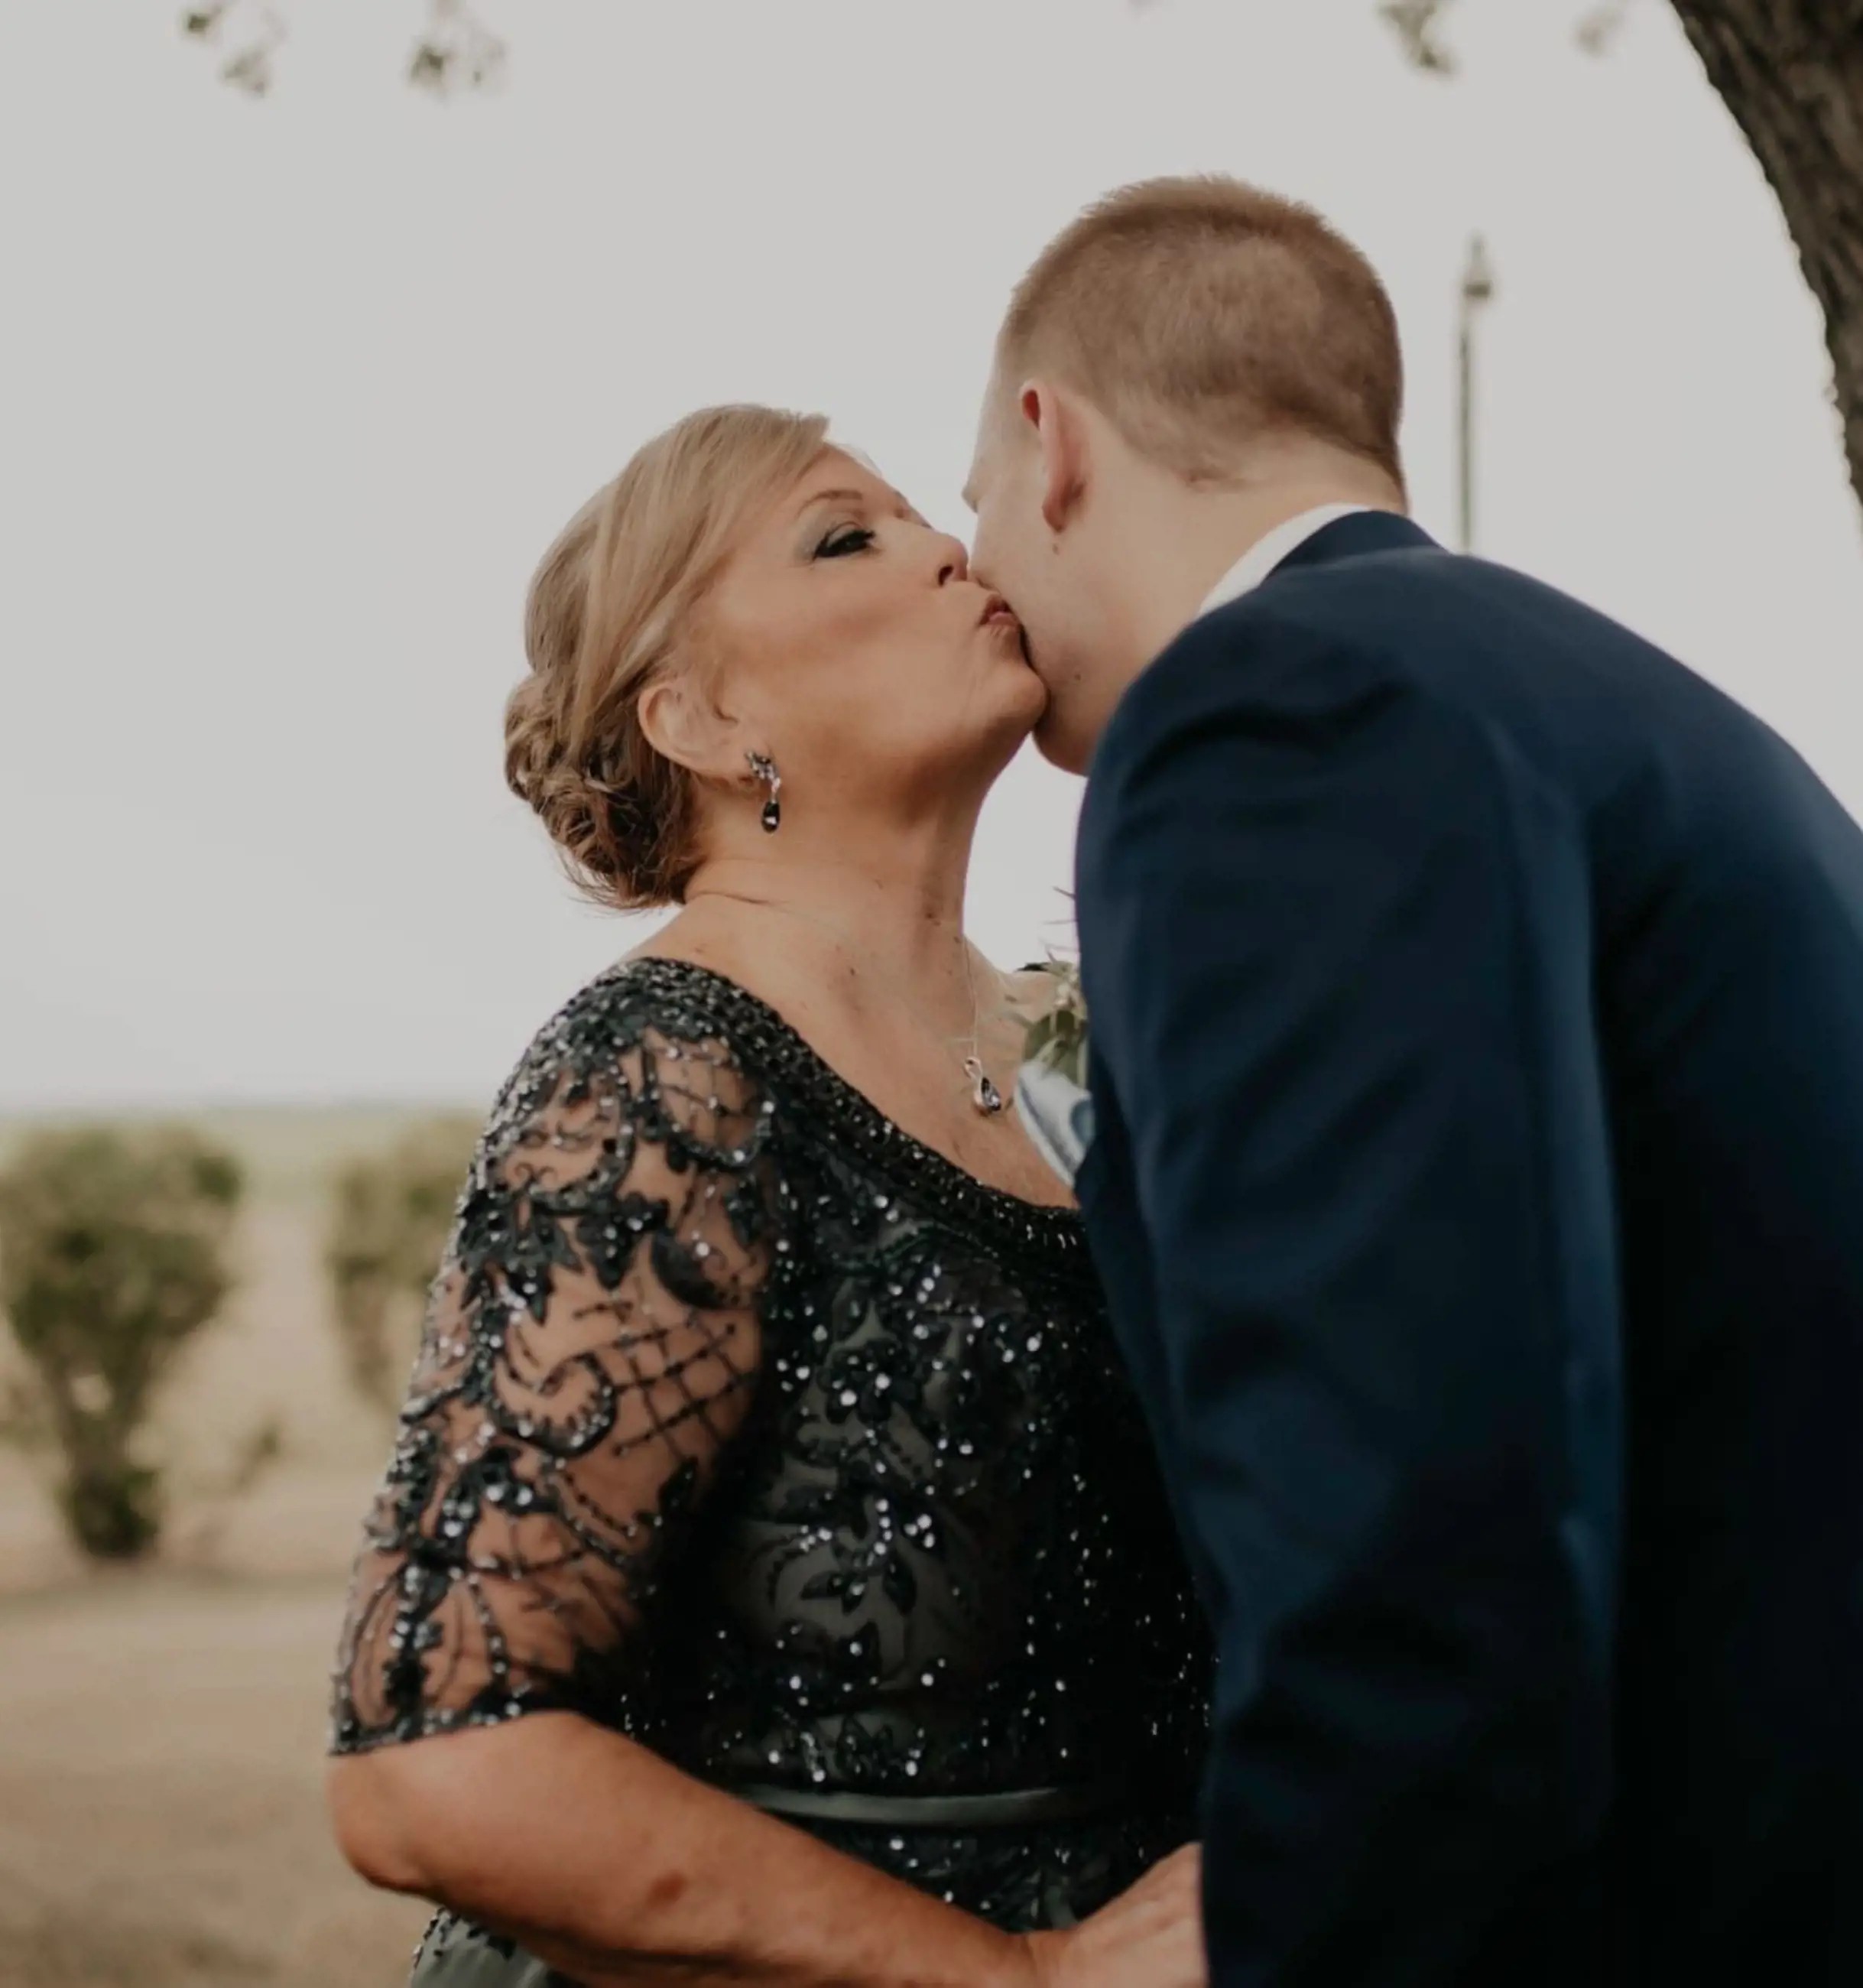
1058 1038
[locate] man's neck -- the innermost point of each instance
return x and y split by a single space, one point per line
1184 546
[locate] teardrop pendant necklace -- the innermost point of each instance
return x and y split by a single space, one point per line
984 1096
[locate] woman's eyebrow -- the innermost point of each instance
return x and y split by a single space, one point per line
832 496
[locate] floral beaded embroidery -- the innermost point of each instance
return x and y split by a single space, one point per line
747 1425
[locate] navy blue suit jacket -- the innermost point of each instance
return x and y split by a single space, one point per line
1476 1001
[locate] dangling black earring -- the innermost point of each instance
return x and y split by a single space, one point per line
763 768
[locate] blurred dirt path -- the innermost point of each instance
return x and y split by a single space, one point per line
161 1824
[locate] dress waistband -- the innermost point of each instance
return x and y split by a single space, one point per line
1009 1805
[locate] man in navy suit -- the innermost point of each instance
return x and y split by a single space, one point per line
1475 999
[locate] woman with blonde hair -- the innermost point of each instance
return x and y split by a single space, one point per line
772 1581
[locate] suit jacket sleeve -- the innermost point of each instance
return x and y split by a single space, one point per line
1337 949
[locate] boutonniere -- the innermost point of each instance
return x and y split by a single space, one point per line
1057 1039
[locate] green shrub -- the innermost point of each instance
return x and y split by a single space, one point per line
389 1218
112 1256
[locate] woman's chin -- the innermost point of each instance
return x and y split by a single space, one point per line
1015 667
1008 699
1005 726
1028 696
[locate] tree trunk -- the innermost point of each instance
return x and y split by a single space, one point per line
1791 71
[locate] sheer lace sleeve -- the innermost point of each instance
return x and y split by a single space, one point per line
590 1346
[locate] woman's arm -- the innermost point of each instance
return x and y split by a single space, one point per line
599 1858
622 1872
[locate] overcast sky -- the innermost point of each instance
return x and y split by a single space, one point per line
295 392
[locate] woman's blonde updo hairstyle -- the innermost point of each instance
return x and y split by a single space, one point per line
612 610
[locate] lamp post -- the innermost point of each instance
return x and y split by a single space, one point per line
1477 290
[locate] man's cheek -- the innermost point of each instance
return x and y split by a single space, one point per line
994 559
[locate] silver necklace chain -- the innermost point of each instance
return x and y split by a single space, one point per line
984 1096
986 1099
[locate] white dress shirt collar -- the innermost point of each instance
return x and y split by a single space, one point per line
1267 554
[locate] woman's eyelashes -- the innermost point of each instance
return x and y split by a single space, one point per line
844 539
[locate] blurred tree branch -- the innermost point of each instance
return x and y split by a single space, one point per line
1414 23
258 31
1790 72
455 51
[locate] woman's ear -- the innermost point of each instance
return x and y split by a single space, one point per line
682 724
1061 434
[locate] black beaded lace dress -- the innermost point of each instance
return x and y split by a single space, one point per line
748 1427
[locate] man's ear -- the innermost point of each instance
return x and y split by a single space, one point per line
1061 434
682 724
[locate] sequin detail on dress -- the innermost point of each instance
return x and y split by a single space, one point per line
747 1426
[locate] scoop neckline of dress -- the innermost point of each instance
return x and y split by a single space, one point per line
883 1138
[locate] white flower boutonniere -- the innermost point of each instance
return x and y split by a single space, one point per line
1057 1040
1052 1098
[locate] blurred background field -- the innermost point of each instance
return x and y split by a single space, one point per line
161 1726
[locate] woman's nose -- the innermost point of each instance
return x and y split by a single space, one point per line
953 560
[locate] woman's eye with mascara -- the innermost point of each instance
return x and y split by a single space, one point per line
843 540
